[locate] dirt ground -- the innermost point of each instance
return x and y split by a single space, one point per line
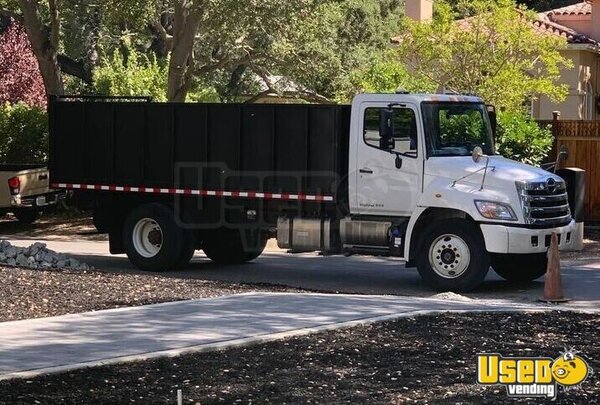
60 225
26 294
415 360
591 245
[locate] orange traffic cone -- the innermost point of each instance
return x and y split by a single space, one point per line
553 290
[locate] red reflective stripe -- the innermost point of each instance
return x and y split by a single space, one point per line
187 191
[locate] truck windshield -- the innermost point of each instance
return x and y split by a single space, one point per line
454 129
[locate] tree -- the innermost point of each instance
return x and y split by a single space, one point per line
20 79
44 43
494 54
236 47
244 44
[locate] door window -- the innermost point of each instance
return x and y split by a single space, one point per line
405 130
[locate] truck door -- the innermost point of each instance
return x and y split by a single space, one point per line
388 182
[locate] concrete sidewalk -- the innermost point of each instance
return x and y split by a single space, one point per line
38 346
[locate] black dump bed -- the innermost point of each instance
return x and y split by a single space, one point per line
234 147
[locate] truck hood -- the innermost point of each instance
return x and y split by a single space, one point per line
500 172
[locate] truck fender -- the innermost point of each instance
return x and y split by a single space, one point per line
440 201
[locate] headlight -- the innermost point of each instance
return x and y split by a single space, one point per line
494 210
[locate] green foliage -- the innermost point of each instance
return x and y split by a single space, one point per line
495 54
317 44
384 75
23 134
521 138
466 126
328 52
140 75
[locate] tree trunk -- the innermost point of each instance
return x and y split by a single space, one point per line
186 20
44 46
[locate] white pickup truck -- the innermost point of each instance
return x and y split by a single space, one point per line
407 175
24 191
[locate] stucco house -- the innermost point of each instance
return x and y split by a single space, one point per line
579 24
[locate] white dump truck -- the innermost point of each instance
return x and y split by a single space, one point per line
407 175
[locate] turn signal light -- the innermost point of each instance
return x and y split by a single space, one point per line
14 184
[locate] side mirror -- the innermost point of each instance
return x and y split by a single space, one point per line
386 130
477 154
493 119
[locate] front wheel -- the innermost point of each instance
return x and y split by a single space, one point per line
452 256
520 268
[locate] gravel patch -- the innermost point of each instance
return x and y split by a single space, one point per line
38 293
413 360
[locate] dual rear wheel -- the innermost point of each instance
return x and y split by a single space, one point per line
154 241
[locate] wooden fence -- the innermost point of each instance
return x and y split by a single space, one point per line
582 138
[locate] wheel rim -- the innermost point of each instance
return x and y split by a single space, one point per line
147 237
449 256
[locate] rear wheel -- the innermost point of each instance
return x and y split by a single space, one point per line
231 246
520 268
27 215
153 241
452 256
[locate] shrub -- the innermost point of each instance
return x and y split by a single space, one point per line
139 76
23 134
521 138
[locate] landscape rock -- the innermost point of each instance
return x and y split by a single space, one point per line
11 252
37 256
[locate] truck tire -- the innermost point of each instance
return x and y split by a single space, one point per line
27 215
152 239
226 246
520 268
452 256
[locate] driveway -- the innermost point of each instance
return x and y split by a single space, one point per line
356 274
39 346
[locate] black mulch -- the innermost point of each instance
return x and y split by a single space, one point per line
28 294
415 360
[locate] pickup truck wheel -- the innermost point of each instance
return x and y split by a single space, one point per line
228 247
153 241
520 268
27 215
452 256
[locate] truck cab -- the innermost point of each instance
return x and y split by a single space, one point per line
412 157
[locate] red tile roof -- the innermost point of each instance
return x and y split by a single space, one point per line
583 8
548 23
546 26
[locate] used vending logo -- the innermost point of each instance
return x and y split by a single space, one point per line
532 376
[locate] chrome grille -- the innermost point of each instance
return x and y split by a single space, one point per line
545 203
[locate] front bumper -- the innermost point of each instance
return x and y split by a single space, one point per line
512 239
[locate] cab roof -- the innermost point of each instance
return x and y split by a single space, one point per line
415 98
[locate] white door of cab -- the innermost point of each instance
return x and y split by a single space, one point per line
381 187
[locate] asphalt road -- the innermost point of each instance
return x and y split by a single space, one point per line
356 274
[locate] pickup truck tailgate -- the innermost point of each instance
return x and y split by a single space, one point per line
34 182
